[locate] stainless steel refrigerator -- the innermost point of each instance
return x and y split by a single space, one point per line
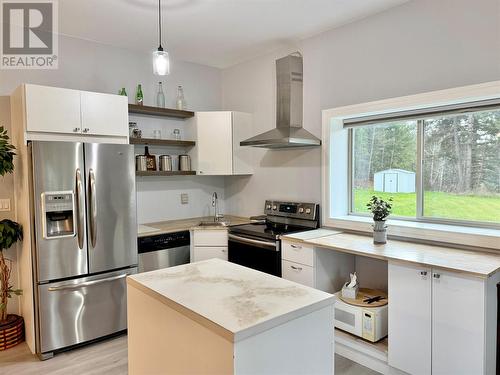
85 241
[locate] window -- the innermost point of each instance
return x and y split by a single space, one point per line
441 167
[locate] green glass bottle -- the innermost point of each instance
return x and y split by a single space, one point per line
122 92
139 98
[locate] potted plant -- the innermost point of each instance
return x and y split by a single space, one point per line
11 326
381 210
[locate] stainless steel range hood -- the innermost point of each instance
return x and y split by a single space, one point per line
289 132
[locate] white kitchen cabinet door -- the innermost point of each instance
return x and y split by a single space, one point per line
243 156
203 253
104 114
458 324
52 109
409 290
214 143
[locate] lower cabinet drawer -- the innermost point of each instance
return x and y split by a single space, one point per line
209 252
298 272
298 252
210 237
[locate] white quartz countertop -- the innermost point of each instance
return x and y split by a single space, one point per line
234 301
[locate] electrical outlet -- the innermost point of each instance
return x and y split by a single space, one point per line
184 198
5 204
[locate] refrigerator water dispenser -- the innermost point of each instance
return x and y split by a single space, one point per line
58 214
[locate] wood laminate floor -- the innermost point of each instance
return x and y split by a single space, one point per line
105 358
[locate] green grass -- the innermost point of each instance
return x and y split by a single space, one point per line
437 204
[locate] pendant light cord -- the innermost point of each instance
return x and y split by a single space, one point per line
159 22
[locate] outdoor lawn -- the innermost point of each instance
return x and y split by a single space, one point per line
437 204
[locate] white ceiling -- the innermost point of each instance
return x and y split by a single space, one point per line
218 33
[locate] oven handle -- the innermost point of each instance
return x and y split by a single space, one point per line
250 241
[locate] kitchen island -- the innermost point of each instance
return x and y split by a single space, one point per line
216 317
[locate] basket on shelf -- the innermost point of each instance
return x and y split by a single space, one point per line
11 332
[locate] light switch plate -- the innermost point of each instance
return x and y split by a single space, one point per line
5 204
184 198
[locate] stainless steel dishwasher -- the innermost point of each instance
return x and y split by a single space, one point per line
163 250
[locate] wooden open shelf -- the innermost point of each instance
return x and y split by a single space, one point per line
161 142
162 112
165 173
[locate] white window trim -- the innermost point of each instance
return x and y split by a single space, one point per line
335 175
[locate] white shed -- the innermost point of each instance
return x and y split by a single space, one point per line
394 181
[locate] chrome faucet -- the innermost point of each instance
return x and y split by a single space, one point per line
215 204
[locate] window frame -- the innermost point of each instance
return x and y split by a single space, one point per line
419 183
335 170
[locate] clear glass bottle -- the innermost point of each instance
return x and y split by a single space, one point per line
160 96
139 98
181 102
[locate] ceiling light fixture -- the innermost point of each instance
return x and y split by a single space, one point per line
161 61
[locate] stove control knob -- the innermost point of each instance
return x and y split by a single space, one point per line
275 207
308 211
268 206
301 210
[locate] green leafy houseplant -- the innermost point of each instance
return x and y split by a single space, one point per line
6 153
10 233
381 210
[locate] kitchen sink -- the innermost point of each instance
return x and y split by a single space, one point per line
213 224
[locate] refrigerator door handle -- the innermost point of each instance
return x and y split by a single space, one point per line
87 283
80 211
93 208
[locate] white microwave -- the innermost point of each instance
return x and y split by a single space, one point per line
370 323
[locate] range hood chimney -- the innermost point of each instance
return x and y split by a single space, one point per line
289 132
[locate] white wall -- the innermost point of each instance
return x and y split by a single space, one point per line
420 46
91 66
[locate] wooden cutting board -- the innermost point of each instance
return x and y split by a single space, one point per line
363 294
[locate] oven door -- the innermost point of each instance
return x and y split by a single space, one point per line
259 254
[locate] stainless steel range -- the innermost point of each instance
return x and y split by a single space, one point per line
258 246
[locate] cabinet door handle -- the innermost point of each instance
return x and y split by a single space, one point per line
436 275
423 273
296 246
296 268
76 130
224 250
86 130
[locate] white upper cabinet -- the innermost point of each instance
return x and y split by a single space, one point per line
218 135
52 110
104 114
52 113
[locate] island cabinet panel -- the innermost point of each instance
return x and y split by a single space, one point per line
409 337
280 351
162 340
438 321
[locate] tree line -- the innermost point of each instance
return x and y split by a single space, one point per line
461 153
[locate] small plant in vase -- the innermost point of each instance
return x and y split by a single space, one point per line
11 326
381 210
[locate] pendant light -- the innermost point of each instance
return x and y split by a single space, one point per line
161 61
